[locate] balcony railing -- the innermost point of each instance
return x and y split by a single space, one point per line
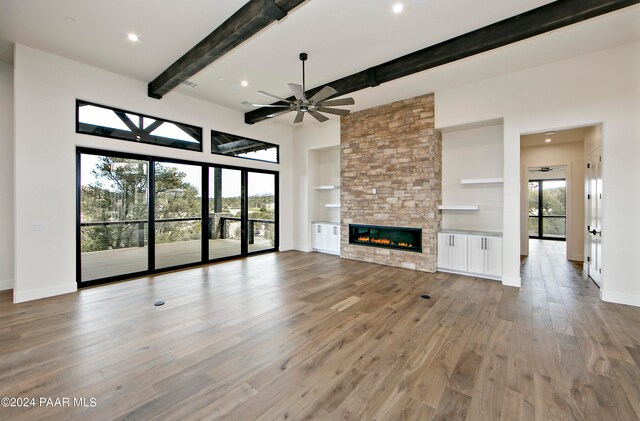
219 227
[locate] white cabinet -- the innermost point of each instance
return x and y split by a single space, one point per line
485 255
452 251
325 237
472 253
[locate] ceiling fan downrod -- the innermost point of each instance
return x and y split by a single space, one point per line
303 58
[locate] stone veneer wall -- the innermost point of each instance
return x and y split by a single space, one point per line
395 150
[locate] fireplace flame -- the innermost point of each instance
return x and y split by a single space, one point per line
383 241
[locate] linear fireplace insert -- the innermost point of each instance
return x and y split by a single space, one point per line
398 238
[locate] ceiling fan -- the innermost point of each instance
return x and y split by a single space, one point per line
315 106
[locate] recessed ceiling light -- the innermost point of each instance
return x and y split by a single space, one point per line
70 19
244 83
132 37
397 8
547 140
549 133
221 78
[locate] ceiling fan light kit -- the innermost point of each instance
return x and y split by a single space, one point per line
314 106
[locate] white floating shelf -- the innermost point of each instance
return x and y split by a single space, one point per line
332 205
459 208
326 187
482 181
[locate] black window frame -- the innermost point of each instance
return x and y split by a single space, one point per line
541 217
205 166
80 102
277 161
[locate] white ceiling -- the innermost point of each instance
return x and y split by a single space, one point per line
341 37
557 137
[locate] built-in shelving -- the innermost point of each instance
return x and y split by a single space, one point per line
326 187
459 207
332 205
481 180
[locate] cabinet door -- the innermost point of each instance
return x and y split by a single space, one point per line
493 256
334 239
316 236
459 252
476 253
326 237
444 252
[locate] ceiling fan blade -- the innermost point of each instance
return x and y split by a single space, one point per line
298 92
323 93
273 96
277 113
253 104
299 117
336 111
321 118
341 101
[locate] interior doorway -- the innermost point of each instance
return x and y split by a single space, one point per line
561 197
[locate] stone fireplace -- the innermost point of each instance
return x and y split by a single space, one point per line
391 178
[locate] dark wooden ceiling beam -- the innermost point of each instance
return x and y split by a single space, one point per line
543 19
250 19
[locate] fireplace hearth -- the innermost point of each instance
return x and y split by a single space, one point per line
398 238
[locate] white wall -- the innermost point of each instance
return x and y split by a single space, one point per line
46 87
472 153
571 155
602 87
306 138
6 176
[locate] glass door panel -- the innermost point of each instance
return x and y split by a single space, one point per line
225 212
113 216
533 200
178 214
547 209
261 229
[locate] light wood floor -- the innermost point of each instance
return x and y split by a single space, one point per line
310 336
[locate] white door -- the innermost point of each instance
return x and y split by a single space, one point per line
594 217
444 252
459 252
316 236
493 256
476 253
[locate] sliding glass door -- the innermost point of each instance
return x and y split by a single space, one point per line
225 212
261 232
140 215
548 209
178 214
114 210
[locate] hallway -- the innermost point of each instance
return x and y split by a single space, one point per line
586 350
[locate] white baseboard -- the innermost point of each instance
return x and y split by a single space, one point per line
512 281
470 274
36 294
619 298
301 248
6 284
576 257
